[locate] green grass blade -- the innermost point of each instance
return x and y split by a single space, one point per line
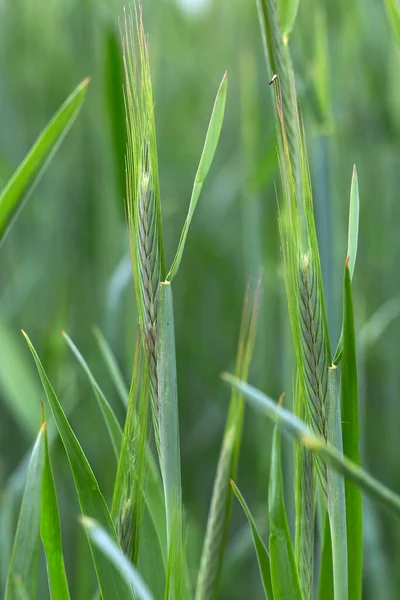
259 546
209 148
112 366
325 584
24 559
294 427
29 172
287 15
393 11
336 493
284 576
352 243
113 553
50 531
90 497
169 427
111 421
351 437
221 502
379 322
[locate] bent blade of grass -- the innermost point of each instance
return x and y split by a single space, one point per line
351 438
111 421
112 366
104 542
352 244
259 546
393 11
209 148
169 429
336 494
90 498
23 181
378 322
24 559
50 531
284 576
298 430
221 501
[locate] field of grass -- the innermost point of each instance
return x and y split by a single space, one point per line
138 424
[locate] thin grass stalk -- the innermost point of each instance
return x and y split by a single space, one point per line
221 501
304 289
143 205
279 63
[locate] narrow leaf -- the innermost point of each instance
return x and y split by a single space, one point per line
90 497
352 244
325 586
111 421
22 571
261 551
284 576
50 531
336 493
298 430
112 366
25 178
351 437
169 427
209 148
113 553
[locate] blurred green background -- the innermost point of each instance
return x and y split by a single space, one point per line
65 264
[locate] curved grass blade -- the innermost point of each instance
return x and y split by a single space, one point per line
261 551
29 172
50 531
102 540
112 366
352 243
111 421
393 11
351 437
209 148
298 430
336 494
24 559
90 497
284 576
377 324
221 501
169 430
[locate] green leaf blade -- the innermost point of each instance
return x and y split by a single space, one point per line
336 494
393 11
102 540
90 497
36 161
22 572
259 546
209 148
284 576
50 531
111 421
351 437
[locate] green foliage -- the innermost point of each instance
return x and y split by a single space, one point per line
23 181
